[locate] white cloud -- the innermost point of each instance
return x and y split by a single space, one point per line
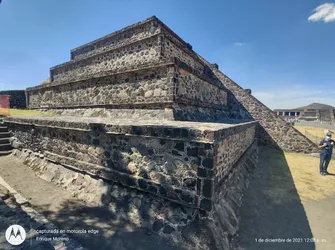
238 44
324 12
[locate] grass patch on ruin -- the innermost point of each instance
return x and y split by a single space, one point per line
27 112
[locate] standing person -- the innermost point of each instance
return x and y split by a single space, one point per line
326 146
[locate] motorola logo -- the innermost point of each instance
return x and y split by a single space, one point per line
15 235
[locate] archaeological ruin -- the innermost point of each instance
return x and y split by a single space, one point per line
158 126
312 112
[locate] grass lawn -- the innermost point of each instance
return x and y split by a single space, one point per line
26 112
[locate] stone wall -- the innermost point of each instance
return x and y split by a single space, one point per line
121 38
224 218
146 113
168 161
172 91
122 59
185 227
229 151
178 112
17 98
147 86
191 89
195 113
171 49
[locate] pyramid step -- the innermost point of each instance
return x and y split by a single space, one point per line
5 147
4 134
3 129
3 153
4 140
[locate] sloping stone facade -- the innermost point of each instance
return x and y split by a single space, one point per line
273 129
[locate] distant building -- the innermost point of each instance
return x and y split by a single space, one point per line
312 112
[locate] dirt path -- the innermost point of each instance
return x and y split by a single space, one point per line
288 200
66 212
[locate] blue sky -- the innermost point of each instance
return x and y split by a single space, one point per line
283 50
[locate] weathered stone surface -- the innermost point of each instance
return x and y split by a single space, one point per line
4 193
158 224
131 89
146 209
161 167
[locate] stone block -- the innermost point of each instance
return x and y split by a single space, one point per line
4 193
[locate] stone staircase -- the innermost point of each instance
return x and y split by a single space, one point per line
5 146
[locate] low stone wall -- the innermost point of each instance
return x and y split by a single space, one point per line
152 113
17 98
171 49
185 226
224 218
168 160
202 114
229 151
121 59
168 112
121 38
147 86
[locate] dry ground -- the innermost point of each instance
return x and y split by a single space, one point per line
304 171
289 199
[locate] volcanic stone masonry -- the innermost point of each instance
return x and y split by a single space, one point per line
147 71
200 166
140 110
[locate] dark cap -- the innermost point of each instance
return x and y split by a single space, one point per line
329 134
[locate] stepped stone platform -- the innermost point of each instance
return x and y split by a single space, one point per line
201 167
144 70
140 110
185 162
5 145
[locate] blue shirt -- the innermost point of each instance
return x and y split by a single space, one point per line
328 150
